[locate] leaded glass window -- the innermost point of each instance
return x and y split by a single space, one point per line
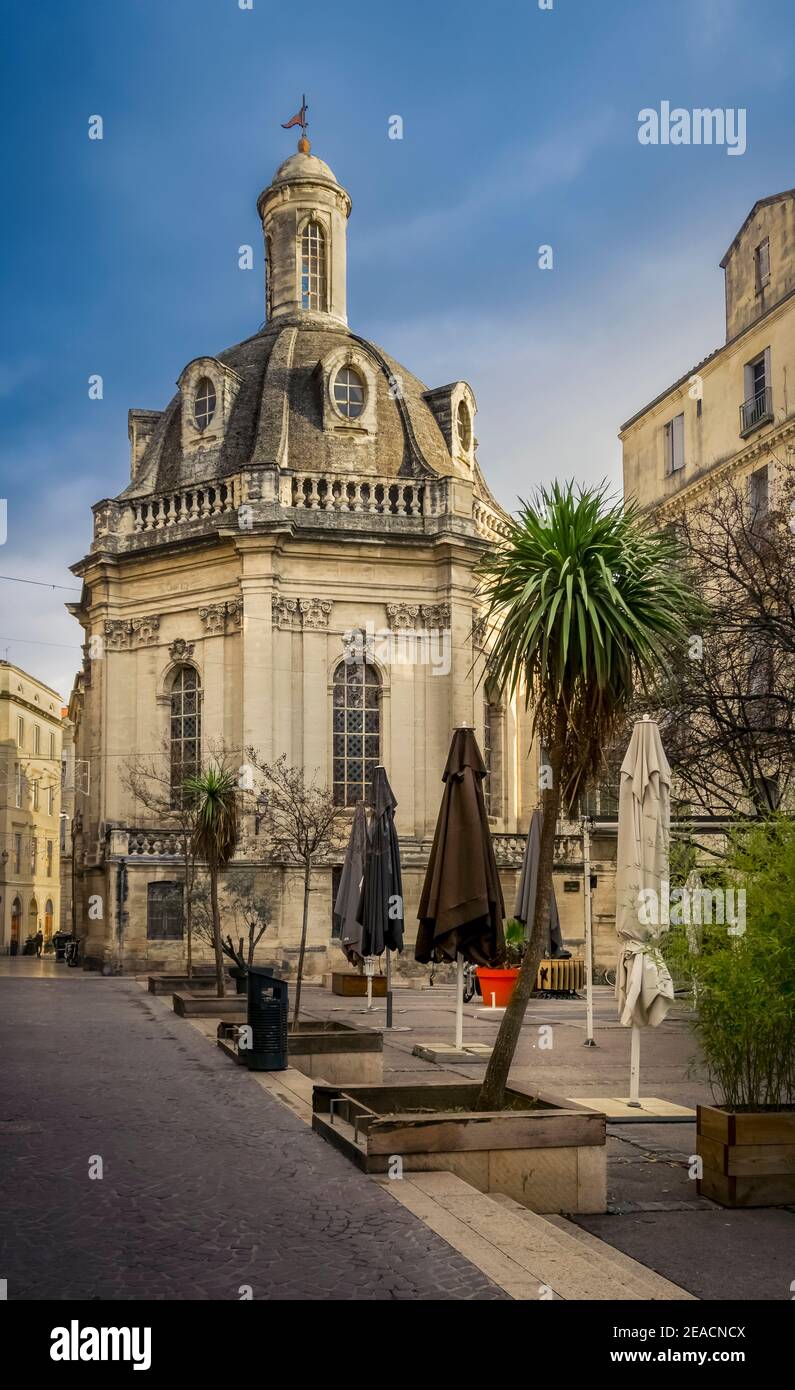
313 267
204 403
356 730
185 729
164 911
349 393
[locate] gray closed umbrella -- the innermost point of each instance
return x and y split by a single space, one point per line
528 885
346 903
381 902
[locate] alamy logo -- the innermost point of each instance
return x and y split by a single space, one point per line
701 126
74 1343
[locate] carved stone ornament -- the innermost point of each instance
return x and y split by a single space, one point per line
180 650
315 612
402 615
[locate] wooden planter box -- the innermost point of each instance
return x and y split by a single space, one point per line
748 1157
355 986
203 978
549 1154
188 1004
336 1052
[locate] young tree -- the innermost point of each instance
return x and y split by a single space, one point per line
302 823
251 908
215 795
585 602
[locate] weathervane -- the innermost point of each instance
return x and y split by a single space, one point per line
299 119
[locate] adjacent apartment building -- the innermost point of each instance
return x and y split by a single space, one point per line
734 412
30 791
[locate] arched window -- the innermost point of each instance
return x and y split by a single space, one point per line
313 267
356 730
204 403
48 910
491 716
349 393
16 918
185 733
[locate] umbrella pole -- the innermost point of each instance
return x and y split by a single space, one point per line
634 1068
388 988
586 870
459 1002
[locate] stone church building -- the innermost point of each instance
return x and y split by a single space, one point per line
299 487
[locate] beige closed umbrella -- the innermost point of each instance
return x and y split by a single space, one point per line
644 988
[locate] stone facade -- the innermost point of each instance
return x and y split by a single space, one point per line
30 807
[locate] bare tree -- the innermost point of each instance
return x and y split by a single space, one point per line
302 823
251 908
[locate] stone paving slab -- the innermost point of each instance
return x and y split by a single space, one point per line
209 1185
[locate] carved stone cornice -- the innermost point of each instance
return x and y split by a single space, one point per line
145 630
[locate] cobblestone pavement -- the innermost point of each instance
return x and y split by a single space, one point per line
208 1185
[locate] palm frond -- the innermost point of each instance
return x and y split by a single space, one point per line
214 793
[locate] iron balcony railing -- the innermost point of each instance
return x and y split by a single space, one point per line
757 410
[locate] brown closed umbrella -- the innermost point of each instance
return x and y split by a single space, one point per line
461 907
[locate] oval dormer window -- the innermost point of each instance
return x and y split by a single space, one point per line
349 393
204 403
464 426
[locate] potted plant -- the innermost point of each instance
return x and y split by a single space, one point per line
742 976
497 984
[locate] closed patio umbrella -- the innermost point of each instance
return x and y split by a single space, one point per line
644 988
381 902
346 903
461 907
528 883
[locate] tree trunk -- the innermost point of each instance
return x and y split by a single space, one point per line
219 955
302 951
492 1092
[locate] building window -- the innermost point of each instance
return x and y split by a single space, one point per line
204 403
164 912
762 264
464 426
757 408
34 854
759 494
49 858
313 267
16 919
36 795
675 444
20 731
349 393
18 784
356 730
268 281
487 755
185 732
17 854
37 739
48 916
52 745
51 801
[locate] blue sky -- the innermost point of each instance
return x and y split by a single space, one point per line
520 129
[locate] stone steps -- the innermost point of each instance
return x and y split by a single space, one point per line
531 1257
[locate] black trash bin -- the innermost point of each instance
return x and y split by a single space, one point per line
267 1019
60 940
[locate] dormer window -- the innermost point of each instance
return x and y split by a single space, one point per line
313 267
204 403
464 426
349 393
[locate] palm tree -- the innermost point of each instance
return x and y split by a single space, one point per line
585 601
214 796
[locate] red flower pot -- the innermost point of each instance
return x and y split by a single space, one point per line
497 983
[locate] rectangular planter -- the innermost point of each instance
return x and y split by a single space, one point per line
202 978
190 1005
549 1154
335 1052
748 1158
355 986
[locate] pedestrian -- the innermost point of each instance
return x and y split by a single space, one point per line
39 939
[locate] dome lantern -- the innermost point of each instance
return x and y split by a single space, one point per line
304 214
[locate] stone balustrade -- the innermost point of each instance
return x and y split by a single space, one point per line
488 522
200 503
343 493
